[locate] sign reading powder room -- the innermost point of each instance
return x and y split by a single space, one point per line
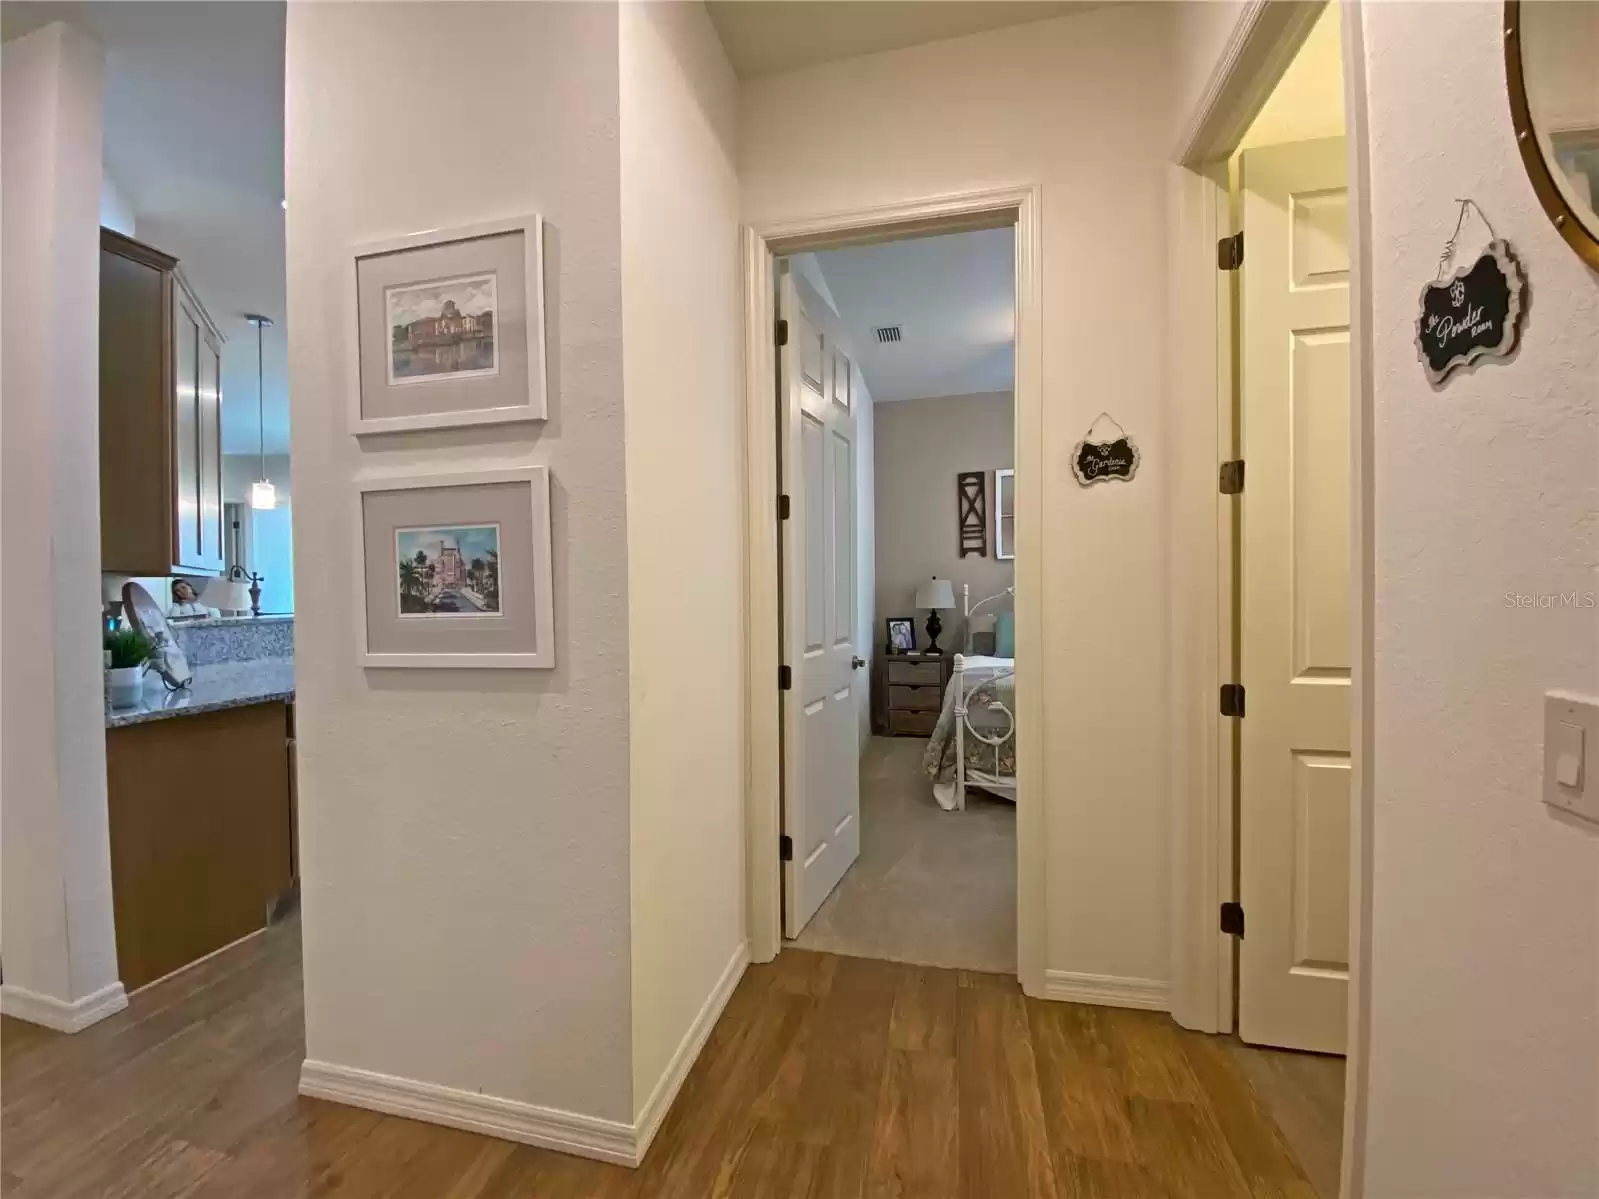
1106 453
1474 312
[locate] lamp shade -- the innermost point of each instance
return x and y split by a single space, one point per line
935 593
226 596
263 495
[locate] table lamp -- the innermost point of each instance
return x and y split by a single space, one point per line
936 594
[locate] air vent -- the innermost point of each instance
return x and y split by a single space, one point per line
887 333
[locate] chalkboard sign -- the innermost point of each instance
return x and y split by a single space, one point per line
1474 312
1102 461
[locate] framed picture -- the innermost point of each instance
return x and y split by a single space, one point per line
901 634
453 570
446 328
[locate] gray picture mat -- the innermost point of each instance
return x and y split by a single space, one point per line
514 507
502 254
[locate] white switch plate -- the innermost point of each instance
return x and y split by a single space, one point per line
1571 730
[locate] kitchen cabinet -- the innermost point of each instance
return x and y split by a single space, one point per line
160 417
201 823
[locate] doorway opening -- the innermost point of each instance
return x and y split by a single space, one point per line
896 414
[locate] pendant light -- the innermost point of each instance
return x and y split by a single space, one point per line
262 493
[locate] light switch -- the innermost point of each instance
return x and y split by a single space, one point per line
1571 725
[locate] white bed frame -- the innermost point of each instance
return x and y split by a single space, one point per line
1003 785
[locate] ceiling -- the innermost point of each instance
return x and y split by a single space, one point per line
763 37
194 141
954 300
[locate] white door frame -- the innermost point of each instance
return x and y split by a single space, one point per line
1204 633
1019 206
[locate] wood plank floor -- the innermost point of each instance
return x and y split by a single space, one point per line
826 1077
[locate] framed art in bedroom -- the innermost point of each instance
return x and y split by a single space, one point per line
454 570
901 634
446 328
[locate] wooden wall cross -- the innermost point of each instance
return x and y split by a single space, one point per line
972 497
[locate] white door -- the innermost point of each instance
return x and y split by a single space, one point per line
821 743
1295 645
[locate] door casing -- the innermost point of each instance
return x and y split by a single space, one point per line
1018 206
1202 332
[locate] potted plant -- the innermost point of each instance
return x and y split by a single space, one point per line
127 655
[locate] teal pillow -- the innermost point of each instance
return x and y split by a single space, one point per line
1005 635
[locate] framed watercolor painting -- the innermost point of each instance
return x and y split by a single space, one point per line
454 570
447 328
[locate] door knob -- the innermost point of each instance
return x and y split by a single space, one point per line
856 663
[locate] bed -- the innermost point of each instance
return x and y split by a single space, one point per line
974 742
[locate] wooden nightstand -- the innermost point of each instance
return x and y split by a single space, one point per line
908 693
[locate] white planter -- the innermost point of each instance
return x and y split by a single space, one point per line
127 685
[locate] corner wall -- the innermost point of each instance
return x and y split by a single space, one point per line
1079 105
59 933
464 834
685 504
1484 1022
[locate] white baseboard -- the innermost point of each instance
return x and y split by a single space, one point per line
527 1123
1108 990
667 1086
58 1013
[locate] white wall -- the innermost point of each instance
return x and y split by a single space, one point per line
1308 101
1081 106
1484 1070
925 445
115 211
58 931
464 834
682 324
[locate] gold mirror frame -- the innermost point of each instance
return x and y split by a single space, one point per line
1566 221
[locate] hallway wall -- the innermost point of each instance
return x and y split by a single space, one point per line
464 834
1079 104
1485 930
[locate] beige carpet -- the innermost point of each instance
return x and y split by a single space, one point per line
931 887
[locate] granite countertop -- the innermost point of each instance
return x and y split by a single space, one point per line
225 685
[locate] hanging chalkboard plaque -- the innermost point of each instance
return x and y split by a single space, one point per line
1474 312
1106 454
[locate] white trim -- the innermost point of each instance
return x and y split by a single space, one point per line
667 1086
531 227
538 480
1107 990
58 1014
527 1123
1020 206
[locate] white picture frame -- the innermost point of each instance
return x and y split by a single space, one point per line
535 407
540 592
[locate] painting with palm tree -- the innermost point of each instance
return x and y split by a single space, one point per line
448 570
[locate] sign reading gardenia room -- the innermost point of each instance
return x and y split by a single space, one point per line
1106 453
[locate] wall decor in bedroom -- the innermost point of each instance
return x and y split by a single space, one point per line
454 570
1106 453
446 328
971 494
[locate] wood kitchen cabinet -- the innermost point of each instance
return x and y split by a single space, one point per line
202 833
160 417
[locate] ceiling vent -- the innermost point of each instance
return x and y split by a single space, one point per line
887 333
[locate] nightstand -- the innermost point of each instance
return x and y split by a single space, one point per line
908 693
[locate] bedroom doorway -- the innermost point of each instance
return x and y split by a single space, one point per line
897 434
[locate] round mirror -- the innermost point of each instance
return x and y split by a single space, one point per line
1552 67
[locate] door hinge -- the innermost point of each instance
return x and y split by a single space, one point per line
1232 919
1230 252
785 848
782 507
785 678
1232 699
781 334
1231 477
